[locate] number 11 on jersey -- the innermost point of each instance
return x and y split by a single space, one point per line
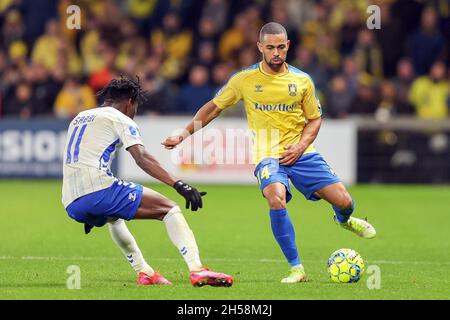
77 144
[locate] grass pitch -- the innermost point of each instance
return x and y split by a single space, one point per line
412 248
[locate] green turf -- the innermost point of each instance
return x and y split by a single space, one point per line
412 248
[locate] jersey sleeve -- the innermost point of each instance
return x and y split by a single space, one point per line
311 103
229 94
128 131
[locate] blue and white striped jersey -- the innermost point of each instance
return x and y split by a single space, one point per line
93 137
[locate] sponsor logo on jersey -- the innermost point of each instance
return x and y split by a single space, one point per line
276 107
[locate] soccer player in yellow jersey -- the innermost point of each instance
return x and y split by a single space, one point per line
284 116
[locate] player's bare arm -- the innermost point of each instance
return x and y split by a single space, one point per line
295 151
150 165
202 118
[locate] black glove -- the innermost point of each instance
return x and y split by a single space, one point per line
192 196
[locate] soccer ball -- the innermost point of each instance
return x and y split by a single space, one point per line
345 265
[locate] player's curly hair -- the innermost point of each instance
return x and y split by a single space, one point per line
123 89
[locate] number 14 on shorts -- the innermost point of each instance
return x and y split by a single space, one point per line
263 173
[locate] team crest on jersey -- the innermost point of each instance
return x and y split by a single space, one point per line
292 89
258 88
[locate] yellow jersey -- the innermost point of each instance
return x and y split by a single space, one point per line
278 107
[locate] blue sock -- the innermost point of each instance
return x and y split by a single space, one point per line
343 215
283 230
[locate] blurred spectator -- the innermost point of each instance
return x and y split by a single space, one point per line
207 32
351 74
327 53
18 54
365 101
427 44
99 78
3 63
388 102
89 47
390 38
407 13
13 28
195 94
340 98
51 48
220 74
217 10
110 19
146 14
9 81
73 98
253 14
299 11
402 83
36 15
315 28
429 94
177 44
345 13
205 42
158 97
307 62
206 55
20 104
45 89
279 14
368 55
349 31
233 38
132 51
247 57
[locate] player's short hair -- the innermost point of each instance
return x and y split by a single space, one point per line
123 89
271 28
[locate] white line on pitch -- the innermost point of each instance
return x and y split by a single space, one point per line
81 258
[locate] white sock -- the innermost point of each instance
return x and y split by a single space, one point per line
183 238
125 240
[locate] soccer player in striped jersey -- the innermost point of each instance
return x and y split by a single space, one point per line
92 195
284 116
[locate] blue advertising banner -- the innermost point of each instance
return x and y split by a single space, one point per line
32 149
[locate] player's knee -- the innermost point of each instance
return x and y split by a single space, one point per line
345 201
168 206
277 202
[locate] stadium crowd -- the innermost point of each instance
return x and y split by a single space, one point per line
184 51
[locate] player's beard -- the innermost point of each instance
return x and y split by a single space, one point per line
275 66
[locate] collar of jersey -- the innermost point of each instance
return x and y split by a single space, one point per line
273 75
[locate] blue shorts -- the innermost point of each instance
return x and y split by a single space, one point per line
309 174
121 200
